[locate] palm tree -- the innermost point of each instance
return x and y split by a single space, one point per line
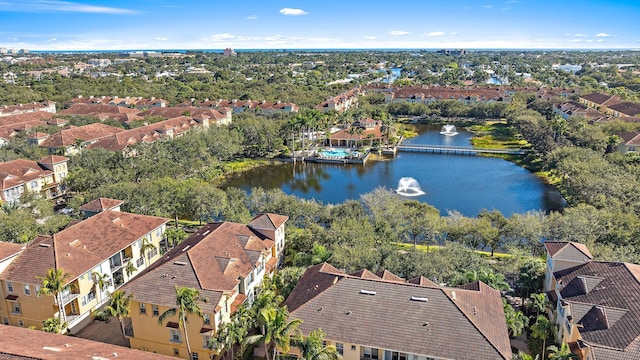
53 284
540 330
187 303
516 320
312 348
119 306
538 303
146 245
100 283
562 353
278 331
387 128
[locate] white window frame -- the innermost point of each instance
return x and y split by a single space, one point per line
27 290
175 336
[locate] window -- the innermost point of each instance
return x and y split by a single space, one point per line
16 308
174 335
152 252
5 321
27 290
34 185
139 262
206 339
340 348
38 290
369 353
207 319
159 232
218 317
143 309
353 348
176 351
154 308
9 286
194 356
20 323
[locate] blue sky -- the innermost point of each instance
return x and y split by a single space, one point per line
273 24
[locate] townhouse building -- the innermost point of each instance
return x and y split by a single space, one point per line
341 102
32 344
112 245
225 262
43 178
73 139
384 317
46 106
596 303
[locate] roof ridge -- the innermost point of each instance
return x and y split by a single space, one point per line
471 321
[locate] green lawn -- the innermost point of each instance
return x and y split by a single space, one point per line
496 135
422 247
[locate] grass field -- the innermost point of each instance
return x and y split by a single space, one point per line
421 247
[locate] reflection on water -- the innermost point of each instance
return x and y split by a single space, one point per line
452 182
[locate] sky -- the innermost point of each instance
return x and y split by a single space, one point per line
273 24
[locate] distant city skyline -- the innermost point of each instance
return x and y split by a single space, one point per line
251 24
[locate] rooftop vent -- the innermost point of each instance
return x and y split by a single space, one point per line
421 299
206 232
116 219
186 248
181 263
44 245
367 292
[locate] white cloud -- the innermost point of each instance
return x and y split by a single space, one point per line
580 35
602 35
293 12
398 32
252 17
60 6
576 40
453 33
600 40
434 33
220 37
54 39
161 38
487 6
373 37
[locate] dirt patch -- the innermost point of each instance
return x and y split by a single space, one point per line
106 332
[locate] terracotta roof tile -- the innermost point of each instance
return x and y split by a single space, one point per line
101 204
68 136
19 343
79 248
9 249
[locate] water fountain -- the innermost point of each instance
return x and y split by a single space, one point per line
408 186
448 130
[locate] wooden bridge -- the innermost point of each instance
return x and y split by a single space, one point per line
455 150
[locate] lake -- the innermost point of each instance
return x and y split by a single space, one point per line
465 184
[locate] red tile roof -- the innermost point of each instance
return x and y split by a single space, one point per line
101 204
20 171
212 260
19 343
570 250
9 249
91 132
80 247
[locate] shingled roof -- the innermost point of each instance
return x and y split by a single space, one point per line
423 320
602 99
570 251
68 136
80 247
605 301
101 204
211 260
20 343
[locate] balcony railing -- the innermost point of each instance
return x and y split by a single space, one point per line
69 297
